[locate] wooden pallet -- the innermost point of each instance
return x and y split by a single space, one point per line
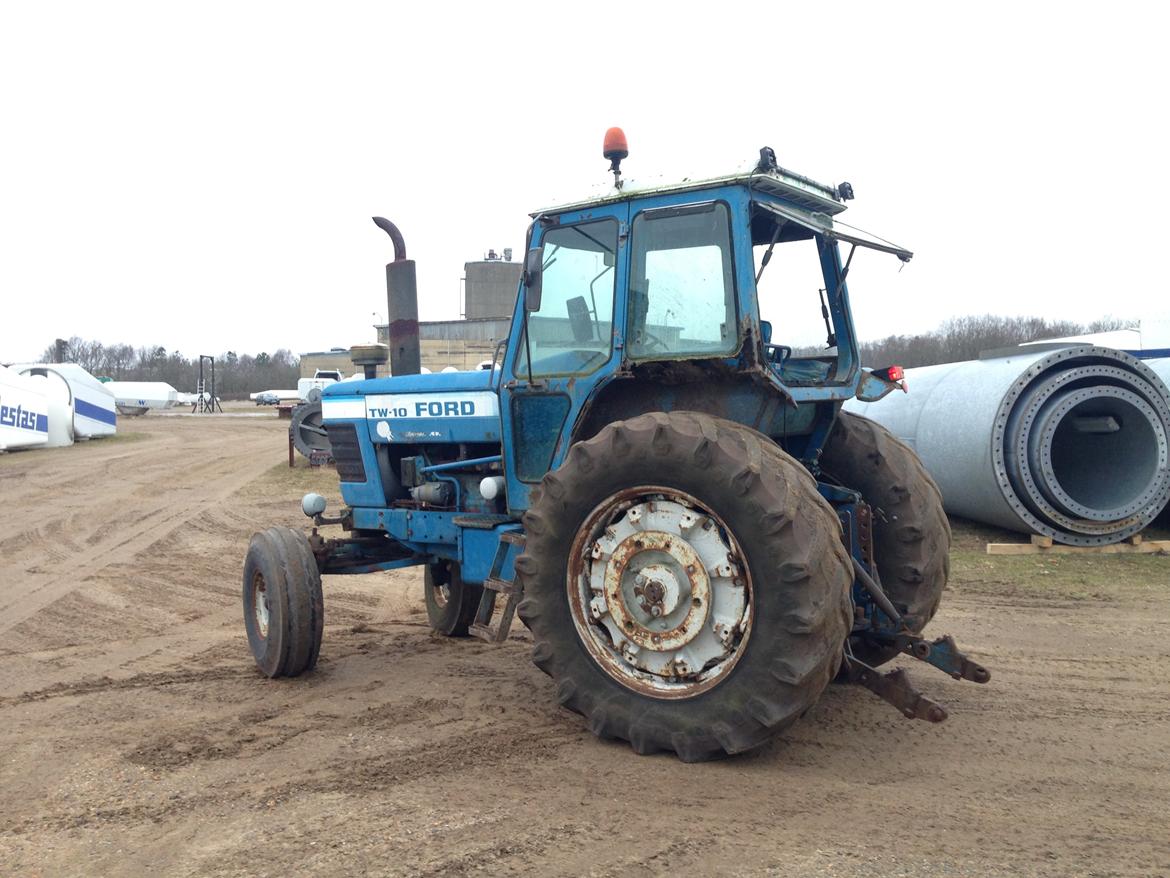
1039 545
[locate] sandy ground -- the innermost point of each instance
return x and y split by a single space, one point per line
136 737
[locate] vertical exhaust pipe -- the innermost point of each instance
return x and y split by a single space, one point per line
402 305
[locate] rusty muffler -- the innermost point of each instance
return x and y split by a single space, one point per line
401 305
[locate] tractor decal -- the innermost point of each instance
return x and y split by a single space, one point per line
433 405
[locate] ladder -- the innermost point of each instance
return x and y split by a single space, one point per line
481 626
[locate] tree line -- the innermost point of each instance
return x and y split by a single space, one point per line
960 338
236 375
965 338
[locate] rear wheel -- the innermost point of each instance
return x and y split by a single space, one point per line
911 534
284 611
451 602
685 584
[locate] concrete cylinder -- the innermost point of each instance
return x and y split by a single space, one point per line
1071 441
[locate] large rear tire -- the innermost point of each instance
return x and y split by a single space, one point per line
911 534
284 610
686 586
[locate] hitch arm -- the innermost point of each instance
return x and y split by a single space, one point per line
895 689
944 655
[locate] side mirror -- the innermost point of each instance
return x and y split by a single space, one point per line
532 270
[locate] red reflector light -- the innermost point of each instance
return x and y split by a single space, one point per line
895 373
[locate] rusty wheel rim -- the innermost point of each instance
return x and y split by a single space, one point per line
660 592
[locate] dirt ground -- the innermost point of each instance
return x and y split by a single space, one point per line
136 736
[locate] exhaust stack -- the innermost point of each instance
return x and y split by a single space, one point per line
401 305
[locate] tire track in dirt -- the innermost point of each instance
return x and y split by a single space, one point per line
94 685
117 469
121 660
39 588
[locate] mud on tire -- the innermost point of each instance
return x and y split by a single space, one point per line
798 572
284 610
911 533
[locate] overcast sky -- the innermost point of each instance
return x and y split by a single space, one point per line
201 176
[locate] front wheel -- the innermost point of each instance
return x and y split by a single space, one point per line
685 584
451 602
284 610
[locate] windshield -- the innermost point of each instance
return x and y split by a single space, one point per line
572 333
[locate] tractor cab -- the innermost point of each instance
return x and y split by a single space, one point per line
645 298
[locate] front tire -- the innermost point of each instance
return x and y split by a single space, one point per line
451 602
685 584
284 610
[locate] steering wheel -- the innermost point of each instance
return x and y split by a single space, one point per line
648 338
780 354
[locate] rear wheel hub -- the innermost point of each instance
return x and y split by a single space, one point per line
660 592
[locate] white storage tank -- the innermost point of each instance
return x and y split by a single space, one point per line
24 412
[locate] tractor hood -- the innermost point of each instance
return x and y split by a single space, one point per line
418 409
480 379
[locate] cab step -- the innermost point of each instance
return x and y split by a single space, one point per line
482 626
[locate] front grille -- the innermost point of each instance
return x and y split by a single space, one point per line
346 452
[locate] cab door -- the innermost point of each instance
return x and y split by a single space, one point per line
568 346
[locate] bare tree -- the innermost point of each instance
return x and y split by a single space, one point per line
236 375
1109 323
965 338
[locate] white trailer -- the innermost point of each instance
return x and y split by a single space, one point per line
321 379
139 397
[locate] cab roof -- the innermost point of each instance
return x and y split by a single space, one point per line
795 188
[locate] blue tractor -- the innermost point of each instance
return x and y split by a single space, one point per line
671 499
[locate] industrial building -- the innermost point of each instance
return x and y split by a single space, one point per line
490 287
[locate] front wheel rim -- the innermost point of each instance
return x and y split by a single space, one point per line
441 583
660 592
260 605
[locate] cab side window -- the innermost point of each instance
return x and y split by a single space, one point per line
682 289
